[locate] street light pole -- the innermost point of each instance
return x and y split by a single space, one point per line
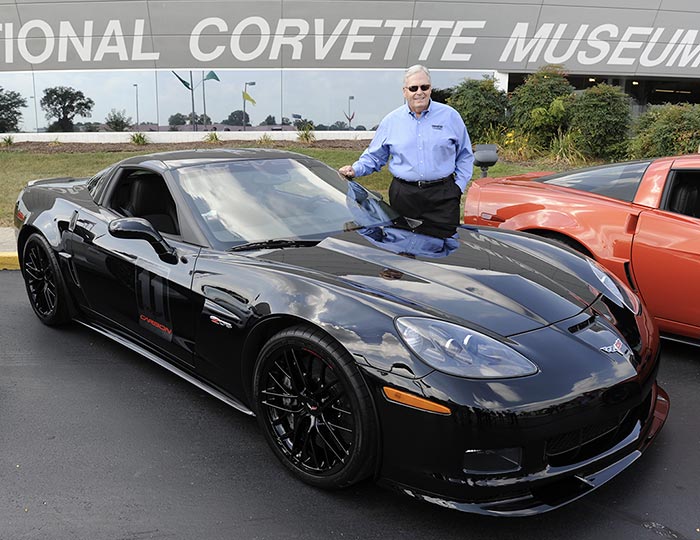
36 115
245 93
36 118
137 105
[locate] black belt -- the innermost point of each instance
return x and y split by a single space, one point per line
426 183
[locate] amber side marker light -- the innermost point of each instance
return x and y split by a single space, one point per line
414 401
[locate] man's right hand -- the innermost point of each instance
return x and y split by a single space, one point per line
347 171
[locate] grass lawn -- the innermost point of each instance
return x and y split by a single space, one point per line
17 168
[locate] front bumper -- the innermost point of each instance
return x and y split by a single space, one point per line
534 491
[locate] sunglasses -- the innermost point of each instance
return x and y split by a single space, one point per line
424 87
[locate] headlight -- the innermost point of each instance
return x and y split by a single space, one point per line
461 351
615 290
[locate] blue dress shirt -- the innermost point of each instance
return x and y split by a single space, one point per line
427 148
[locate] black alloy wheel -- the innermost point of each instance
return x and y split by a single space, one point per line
44 283
315 409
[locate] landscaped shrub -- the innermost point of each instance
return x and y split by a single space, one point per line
481 105
138 139
600 122
667 130
513 145
539 107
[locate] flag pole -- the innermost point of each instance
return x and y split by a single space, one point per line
194 118
204 102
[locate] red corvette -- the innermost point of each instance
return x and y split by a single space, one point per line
639 219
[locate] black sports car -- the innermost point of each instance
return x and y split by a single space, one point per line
476 368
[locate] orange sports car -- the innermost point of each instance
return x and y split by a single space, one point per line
639 219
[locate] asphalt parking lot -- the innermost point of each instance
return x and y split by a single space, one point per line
98 443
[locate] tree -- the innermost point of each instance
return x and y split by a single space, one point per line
531 104
10 104
177 119
303 124
441 95
600 120
269 121
65 103
338 126
667 130
236 118
118 120
203 119
481 105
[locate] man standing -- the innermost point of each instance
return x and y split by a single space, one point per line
431 154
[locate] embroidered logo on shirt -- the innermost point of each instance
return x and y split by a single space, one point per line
436 126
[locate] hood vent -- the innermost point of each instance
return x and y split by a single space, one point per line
576 328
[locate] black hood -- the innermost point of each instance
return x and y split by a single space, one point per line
502 281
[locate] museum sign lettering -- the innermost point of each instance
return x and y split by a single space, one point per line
591 41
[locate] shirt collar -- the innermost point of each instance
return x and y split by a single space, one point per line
430 102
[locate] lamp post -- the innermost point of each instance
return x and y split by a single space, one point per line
350 116
137 104
245 93
36 117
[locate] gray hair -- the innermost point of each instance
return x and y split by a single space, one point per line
416 69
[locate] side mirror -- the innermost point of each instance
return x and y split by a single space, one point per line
485 156
135 228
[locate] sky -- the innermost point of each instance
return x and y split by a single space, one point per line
319 95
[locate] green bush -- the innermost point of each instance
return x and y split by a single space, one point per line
565 150
305 130
533 108
212 137
481 105
667 130
265 140
138 139
600 122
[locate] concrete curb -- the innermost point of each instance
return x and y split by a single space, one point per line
8 261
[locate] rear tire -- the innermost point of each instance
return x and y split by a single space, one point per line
45 286
315 409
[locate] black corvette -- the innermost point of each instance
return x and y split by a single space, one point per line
476 368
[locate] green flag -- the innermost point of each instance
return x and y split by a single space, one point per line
212 75
246 96
183 81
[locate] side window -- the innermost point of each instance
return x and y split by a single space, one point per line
684 195
144 194
97 183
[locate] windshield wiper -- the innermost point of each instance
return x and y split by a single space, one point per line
274 243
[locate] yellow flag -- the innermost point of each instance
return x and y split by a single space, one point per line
247 97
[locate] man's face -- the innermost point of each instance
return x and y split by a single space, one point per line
418 100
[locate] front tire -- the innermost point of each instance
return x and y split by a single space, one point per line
44 282
315 409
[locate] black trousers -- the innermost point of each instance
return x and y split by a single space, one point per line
438 204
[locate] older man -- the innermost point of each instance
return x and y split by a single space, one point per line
431 154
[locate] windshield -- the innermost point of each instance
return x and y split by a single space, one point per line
257 200
619 181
